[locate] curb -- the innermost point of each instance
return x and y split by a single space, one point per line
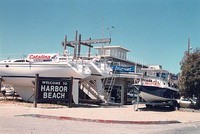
99 120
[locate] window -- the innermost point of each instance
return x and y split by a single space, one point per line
107 52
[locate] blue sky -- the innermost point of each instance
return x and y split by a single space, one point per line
156 31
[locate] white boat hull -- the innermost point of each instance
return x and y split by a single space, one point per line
156 94
151 98
22 75
26 93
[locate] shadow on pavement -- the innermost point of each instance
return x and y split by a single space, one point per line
157 109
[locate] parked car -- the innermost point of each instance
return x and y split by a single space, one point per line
132 95
7 90
187 102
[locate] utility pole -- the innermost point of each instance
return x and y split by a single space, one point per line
189 46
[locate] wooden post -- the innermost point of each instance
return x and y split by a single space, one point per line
0 83
75 45
125 90
65 42
79 45
36 90
89 49
70 93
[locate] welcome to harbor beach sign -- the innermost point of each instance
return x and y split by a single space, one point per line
53 89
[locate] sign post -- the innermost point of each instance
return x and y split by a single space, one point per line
36 90
70 93
0 84
0 81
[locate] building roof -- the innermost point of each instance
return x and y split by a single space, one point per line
100 47
155 70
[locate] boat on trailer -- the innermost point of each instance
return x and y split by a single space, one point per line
157 88
20 73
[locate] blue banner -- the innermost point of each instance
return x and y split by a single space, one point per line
123 69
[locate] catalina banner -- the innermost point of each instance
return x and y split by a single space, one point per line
123 69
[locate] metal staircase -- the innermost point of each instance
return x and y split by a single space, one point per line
89 88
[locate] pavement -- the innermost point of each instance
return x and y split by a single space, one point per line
92 113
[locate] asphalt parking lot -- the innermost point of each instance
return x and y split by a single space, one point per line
21 117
